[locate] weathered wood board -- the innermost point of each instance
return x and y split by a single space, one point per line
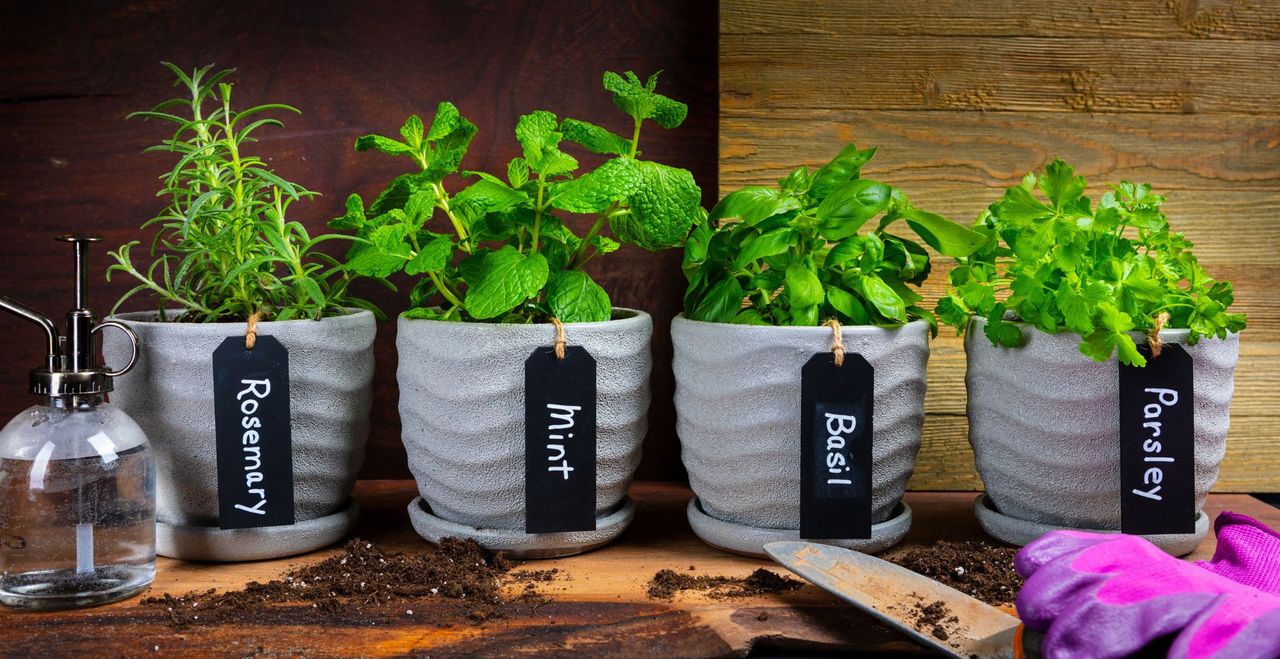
964 97
599 604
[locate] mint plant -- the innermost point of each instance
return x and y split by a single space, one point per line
1059 263
506 253
225 250
792 255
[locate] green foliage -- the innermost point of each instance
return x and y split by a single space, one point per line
1055 261
508 254
795 255
224 249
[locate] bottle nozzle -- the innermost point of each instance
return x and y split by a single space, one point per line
53 353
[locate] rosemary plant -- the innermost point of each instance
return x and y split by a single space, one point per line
224 249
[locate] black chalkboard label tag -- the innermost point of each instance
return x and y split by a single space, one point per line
1157 444
560 441
835 447
254 438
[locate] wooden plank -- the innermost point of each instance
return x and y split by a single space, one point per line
1172 19
946 461
600 606
968 150
846 71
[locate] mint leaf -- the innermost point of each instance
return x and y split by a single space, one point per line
489 196
383 144
594 138
412 131
662 209
505 278
641 101
446 122
540 140
354 218
433 257
517 172
595 191
575 298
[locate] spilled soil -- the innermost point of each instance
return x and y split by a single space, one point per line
976 568
666 584
366 577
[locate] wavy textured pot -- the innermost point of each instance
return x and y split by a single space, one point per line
169 393
462 418
738 417
1044 423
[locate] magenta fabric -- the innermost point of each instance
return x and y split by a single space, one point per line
1110 595
1248 552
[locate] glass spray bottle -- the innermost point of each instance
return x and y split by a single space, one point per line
77 477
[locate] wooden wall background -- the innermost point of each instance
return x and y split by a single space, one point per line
70 72
964 96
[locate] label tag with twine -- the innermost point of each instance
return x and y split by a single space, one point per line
1157 443
560 438
837 395
253 434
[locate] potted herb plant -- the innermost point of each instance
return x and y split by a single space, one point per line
272 474
1062 293
501 275
767 270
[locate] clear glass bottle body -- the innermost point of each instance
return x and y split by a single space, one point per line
77 506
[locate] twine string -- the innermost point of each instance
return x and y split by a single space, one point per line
251 331
559 338
837 341
1153 337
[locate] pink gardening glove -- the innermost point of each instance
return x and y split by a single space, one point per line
1110 595
1248 552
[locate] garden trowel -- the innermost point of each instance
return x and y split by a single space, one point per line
895 596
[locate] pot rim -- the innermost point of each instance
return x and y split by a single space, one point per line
846 330
634 316
1169 333
148 318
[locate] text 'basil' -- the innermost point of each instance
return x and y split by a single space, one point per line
835 451
254 436
1157 444
560 441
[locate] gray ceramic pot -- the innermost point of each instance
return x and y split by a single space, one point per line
169 394
462 417
738 417
1044 425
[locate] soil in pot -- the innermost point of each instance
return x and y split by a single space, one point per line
363 580
975 568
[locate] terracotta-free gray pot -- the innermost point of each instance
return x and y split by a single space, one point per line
463 424
1044 424
169 394
738 417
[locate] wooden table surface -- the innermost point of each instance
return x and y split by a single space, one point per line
599 605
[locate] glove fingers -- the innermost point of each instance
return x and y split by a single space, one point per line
1053 589
1053 545
1232 626
1091 628
1248 552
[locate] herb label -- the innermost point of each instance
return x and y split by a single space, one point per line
1157 444
253 433
835 447
560 441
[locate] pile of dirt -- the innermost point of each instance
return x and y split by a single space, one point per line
976 568
665 584
934 617
365 576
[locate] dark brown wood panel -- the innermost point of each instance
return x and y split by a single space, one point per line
70 72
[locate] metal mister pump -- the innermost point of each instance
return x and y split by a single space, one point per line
77 477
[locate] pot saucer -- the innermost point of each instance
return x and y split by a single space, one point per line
750 540
518 544
1019 531
210 543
